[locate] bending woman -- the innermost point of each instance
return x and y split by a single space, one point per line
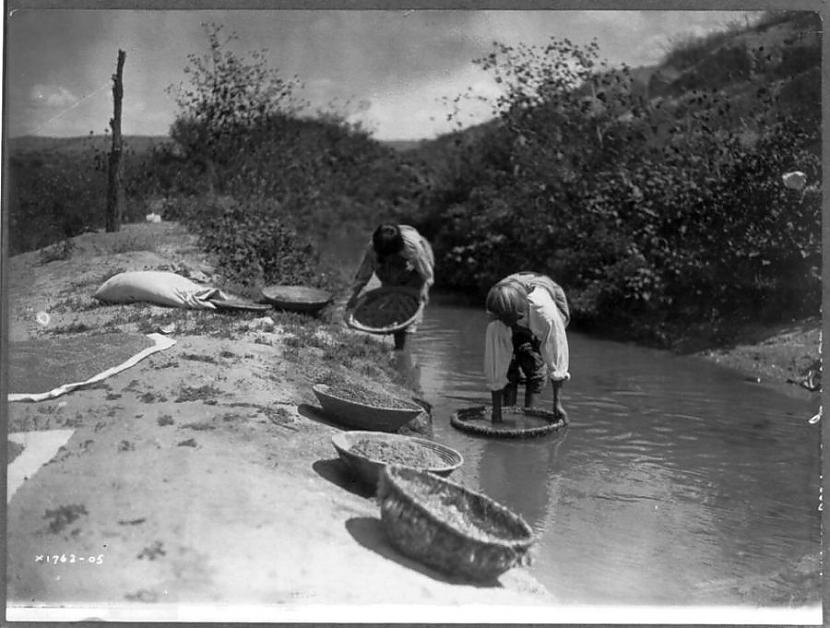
399 256
527 335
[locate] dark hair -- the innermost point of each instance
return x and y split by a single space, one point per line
507 301
387 239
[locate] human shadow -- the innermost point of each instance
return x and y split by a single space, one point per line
368 531
338 473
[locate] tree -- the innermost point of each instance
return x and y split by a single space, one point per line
228 96
649 209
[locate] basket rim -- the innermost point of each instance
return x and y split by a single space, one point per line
388 473
312 296
554 424
352 322
323 389
341 441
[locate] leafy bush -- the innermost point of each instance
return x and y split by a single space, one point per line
58 251
253 240
51 198
654 213
246 168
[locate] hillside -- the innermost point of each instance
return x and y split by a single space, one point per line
29 144
654 193
783 48
782 51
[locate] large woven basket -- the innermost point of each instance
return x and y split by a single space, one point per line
363 416
232 302
516 422
451 528
385 310
296 298
398 450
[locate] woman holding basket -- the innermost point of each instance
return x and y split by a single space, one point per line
399 256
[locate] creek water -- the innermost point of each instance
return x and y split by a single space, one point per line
677 481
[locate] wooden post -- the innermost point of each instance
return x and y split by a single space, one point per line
115 193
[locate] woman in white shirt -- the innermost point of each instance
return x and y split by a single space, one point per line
527 334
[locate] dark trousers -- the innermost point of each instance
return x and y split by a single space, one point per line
527 360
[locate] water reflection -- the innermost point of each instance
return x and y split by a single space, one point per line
674 474
518 473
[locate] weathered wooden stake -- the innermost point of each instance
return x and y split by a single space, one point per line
115 193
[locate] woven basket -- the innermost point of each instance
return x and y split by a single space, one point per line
296 298
516 422
368 469
232 302
385 310
451 528
362 416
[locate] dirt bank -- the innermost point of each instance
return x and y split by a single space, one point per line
205 474
779 354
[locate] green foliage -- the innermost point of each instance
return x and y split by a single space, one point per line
653 212
688 50
58 251
50 198
240 137
246 168
253 240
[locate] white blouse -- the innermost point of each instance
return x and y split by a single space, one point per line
546 322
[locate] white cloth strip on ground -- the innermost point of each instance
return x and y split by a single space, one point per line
161 343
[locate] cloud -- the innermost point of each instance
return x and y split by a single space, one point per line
420 109
52 96
404 62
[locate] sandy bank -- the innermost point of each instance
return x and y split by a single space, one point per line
203 475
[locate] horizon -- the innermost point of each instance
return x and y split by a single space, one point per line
392 71
167 137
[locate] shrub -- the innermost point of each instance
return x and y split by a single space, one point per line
653 214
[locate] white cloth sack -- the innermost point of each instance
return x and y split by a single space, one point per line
160 287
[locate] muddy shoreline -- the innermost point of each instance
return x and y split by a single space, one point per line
205 474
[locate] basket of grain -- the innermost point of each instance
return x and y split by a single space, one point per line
385 310
360 408
296 298
451 528
367 452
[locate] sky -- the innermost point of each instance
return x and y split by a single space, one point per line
392 70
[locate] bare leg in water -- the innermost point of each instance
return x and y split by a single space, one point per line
558 409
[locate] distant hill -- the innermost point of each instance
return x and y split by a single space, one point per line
403 145
782 50
27 144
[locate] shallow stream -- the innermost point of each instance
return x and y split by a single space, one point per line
676 482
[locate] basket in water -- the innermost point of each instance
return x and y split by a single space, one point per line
516 422
296 298
360 409
367 452
385 310
451 528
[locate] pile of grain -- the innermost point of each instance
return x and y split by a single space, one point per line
387 310
410 454
368 397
